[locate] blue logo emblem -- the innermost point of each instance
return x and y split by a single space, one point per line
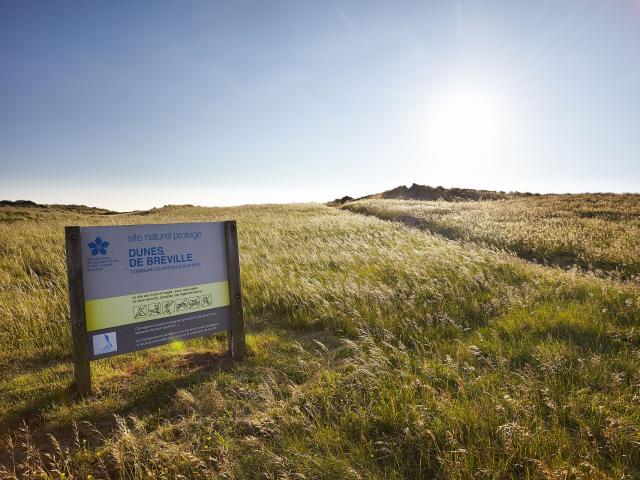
98 246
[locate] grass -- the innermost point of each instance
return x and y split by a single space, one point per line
376 351
594 232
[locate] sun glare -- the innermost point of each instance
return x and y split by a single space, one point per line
466 125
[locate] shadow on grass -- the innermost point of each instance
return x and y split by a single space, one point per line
192 368
565 259
145 397
12 364
32 408
142 396
143 387
585 338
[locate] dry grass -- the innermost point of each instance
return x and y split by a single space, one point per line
377 351
594 232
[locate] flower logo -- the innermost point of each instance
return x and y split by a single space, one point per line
98 246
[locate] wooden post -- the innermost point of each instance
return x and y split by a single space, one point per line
236 333
81 366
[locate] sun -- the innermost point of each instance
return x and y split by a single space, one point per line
466 125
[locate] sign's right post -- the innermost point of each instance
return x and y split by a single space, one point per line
236 339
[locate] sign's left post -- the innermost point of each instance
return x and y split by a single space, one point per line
81 365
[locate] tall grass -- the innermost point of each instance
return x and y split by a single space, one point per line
377 351
594 232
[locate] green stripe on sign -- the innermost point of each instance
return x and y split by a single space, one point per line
142 307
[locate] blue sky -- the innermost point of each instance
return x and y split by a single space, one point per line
132 104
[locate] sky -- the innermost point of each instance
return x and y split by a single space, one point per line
130 104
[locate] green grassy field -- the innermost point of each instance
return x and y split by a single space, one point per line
376 351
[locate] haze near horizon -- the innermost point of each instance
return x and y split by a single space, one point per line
129 105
